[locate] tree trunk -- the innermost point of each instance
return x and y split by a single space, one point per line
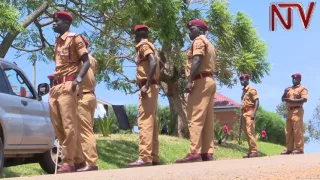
10 37
177 106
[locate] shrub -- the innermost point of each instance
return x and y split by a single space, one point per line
274 125
108 124
132 114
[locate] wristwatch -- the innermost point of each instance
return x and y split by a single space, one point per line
79 79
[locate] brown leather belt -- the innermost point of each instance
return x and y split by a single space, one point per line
202 75
63 79
247 109
294 107
144 82
89 92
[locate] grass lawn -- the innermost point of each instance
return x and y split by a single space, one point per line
118 150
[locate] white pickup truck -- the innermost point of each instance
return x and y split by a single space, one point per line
26 132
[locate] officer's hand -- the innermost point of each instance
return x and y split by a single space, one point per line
253 116
74 85
189 87
144 91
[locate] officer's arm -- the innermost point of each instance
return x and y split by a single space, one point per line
83 54
304 97
85 66
255 98
256 105
196 62
152 68
284 94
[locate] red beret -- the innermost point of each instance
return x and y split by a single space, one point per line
63 15
51 76
244 76
137 27
296 75
198 22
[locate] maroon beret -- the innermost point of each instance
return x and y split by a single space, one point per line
296 75
63 15
198 22
51 76
137 27
244 76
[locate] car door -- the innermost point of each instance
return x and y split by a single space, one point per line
37 128
10 112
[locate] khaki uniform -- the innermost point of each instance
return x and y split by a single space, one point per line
249 95
62 100
200 102
86 108
147 120
294 121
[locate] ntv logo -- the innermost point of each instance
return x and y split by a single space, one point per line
305 16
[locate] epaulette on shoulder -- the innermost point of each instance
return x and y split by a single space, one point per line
72 34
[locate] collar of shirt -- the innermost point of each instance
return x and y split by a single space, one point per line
141 42
247 87
65 35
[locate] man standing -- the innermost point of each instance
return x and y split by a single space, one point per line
70 50
249 107
294 97
86 107
201 88
148 71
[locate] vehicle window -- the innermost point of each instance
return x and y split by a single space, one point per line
18 85
3 84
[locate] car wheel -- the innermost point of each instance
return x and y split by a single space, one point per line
1 156
47 160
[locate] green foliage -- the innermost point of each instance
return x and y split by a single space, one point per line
282 110
274 125
239 47
313 126
107 124
235 133
218 131
9 17
132 114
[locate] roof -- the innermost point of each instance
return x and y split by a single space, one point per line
223 101
103 102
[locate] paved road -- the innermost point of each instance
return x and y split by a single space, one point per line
275 167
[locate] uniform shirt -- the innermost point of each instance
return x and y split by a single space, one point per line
68 50
296 92
202 46
249 95
143 50
89 81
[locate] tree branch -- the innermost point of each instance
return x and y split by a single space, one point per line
127 79
10 37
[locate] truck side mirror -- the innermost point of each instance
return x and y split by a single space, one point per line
43 89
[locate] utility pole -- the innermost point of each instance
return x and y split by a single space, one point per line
34 73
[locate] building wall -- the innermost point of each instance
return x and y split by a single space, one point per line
227 117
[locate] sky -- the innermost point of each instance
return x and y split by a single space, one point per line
289 52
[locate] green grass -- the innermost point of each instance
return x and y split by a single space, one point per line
118 150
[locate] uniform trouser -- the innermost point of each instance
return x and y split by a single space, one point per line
63 106
295 130
86 149
200 115
147 121
249 131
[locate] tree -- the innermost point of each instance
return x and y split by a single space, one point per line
108 25
313 126
282 110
